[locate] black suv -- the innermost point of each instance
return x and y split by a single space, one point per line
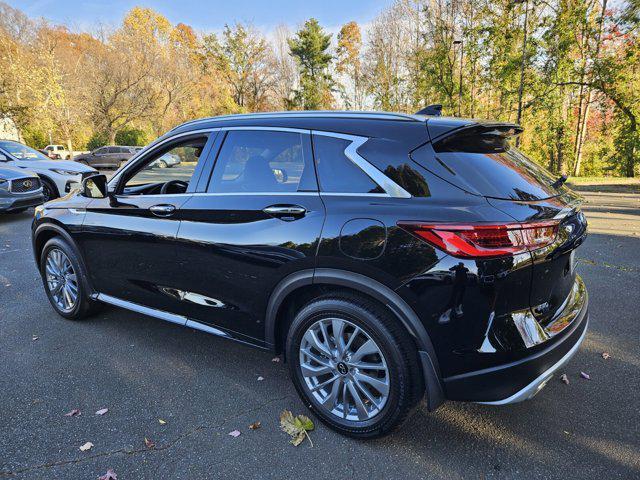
389 257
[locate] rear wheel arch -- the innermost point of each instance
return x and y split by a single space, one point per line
297 289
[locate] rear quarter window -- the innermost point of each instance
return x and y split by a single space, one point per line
336 173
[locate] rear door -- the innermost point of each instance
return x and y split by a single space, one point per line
259 220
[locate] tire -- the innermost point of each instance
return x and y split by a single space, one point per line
83 306
396 360
49 190
18 210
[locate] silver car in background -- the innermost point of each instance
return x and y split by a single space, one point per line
19 190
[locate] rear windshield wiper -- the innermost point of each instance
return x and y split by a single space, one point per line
559 182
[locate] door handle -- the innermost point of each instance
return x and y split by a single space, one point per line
164 210
285 212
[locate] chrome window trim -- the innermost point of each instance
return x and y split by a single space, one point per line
149 149
389 186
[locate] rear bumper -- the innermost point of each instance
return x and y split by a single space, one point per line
538 384
522 379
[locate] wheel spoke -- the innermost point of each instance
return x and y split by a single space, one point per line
367 365
363 414
325 335
330 401
310 371
354 334
376 383
312 338
337 326
316 358
367 348
366 392
345 404
325 383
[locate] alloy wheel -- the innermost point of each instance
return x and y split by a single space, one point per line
62 281
344 369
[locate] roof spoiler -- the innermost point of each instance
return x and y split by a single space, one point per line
496 131
434 110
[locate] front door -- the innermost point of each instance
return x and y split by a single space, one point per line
129 239
259 220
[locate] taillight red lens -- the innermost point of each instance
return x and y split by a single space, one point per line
482 240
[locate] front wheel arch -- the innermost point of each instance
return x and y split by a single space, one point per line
51 184
45 232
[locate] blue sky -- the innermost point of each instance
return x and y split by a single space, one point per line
206 15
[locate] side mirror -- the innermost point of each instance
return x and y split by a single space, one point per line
3 158
95 187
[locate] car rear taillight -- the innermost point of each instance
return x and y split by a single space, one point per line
482 240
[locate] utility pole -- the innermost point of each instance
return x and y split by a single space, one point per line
522 63
461 43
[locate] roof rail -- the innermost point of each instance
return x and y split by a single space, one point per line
309 114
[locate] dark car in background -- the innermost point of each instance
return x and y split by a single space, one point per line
19 189
111 156
388 257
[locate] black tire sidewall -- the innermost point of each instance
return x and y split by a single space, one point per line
399 375
52 188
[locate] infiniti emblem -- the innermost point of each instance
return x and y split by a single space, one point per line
342 368
27 183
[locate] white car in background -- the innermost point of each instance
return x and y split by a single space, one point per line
58 177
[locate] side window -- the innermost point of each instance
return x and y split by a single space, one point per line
101 151
336 173
153 176
262 161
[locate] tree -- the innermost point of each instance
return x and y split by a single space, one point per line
309 47
243 57
350 65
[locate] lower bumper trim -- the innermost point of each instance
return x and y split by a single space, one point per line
538 384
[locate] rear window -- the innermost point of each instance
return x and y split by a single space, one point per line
488 166
336 173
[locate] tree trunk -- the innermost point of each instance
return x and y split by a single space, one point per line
69 148
112 137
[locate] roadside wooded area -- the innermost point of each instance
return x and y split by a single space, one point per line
567 70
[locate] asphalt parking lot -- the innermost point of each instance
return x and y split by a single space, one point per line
203 387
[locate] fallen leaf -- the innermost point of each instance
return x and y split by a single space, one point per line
564 378
260 379
86 446
73 413
297 427
34 338
102 411
606 355
585 376
235 433
161 421
255 426
276 359
149 443
110 475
